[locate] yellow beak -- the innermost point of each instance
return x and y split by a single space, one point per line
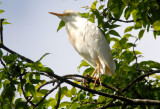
58 14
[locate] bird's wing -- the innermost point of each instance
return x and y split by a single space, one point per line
96 40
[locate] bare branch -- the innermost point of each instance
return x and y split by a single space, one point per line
13 52
125 21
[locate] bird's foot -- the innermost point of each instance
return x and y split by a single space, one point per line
90 77
98 79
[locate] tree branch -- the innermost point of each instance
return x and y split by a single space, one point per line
125 21
13 52
47 94
59 97
28 100
139 79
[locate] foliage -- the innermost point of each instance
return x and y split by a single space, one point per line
128 88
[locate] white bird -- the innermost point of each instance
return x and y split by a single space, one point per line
89 42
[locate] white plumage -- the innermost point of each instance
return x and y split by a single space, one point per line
88 41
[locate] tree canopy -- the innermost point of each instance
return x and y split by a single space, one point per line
130 86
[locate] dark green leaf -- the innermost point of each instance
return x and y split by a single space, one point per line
20 103
46 69
43 56
10 58
61 24
113 32
140 35
30 88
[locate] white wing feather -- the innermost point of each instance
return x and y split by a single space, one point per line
95 39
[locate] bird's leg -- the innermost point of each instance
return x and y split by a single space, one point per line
92 76
98 78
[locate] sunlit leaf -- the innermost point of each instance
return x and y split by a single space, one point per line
101 7
156 25
128 29
1 11
61 24
63 104
93 7
83 63
73 91
75 105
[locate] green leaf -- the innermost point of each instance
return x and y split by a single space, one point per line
85 15
135 14
156 25
64 90
115 33
68 94
128 29
93 6
4 23
52 102
46 69
75 105
43 56
42 92
30 88
73 91
61 24
140 35
92 18
63 104
83 63
138 24
20 103
101 7
10 58
1 11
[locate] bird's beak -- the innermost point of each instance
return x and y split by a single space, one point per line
58 14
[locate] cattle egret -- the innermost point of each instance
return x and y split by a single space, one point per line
89 42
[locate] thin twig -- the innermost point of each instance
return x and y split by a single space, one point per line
139 79
135 55
125 21
91 80
28 100
47 95
59 97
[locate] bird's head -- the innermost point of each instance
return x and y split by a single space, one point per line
67 15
